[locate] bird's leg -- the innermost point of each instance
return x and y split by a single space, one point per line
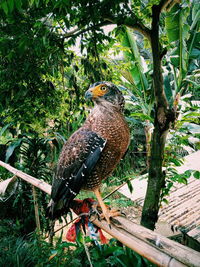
102 205
105 211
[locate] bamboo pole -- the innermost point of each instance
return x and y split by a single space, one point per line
138 245
156 248
36 208
175 250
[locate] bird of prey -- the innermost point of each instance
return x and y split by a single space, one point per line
92 152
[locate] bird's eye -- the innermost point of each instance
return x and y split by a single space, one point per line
103 88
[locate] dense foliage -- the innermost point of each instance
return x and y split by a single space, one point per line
35 251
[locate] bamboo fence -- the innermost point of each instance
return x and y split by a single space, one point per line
155 247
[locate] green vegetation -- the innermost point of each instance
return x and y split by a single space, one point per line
50 52
35 251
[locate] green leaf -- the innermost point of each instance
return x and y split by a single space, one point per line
182 180
4 129
168 89
37 2
165 201
141 116
192 114
133 55
11 5
187 174
11 148
197 174
195 53
4 5
130 187
195 19
18 4
176 162
177 30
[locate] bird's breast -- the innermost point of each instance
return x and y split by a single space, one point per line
115 130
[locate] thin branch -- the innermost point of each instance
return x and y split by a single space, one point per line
79 31
121 185
36 208
131 22
87 250
71 33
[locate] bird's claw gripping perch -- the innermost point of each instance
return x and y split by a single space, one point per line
94 213
106 214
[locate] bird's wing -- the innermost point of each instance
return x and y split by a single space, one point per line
78 158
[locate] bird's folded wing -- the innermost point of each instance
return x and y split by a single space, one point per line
78 158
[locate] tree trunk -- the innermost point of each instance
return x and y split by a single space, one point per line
162 122
156 179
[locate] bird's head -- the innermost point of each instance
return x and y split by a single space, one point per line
102 92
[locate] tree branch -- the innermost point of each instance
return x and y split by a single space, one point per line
79 31
167 4
69 34
161 100
131 23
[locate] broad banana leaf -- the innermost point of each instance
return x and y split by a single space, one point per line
178 33
135 74
136 70
182 28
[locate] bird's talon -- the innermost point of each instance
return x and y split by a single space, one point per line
92 219
98 216
95 213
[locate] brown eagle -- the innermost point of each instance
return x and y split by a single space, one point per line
93 151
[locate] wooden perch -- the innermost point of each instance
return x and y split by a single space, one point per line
155 247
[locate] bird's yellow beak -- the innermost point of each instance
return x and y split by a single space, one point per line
95 92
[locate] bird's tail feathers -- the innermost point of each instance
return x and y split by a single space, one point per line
56 209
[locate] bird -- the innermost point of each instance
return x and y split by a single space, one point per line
92 152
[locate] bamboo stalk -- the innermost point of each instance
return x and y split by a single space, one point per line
175 250
36 208
156 248
141 247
